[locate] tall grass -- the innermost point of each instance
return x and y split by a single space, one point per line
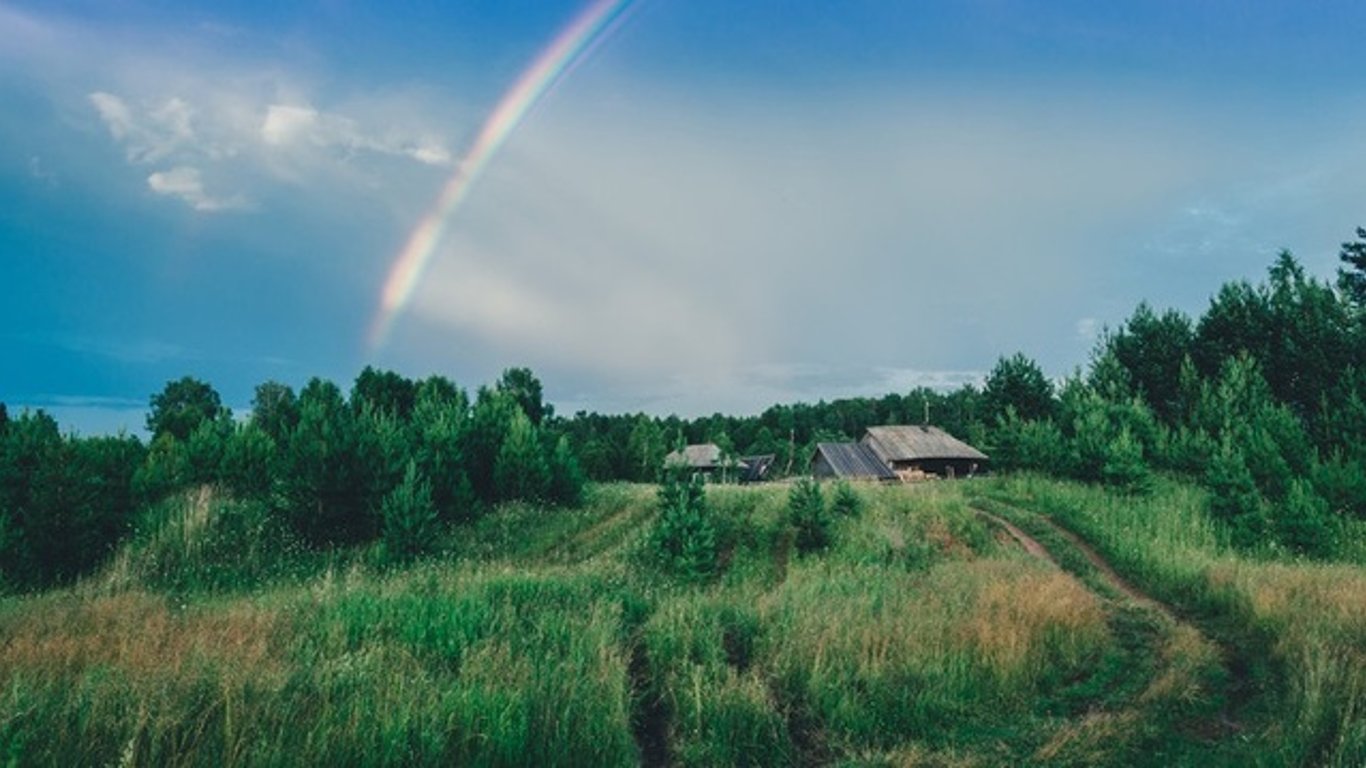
538 637
204 540
902 658
493 668
1298 627
910 636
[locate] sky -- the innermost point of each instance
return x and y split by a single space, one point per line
716 206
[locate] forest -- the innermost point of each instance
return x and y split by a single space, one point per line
1261 399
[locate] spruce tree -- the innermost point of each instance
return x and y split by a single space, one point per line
806 512
520 472
410 523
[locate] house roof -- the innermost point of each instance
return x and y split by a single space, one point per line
756 467
910 443
703 456
853 460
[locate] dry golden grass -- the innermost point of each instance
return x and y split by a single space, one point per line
137 633
1336 594
1011 618
967 630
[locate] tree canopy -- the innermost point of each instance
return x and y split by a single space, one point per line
182 406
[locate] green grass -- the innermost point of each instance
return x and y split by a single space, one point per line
1293 632
547 637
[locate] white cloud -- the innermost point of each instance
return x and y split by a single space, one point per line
292 126
185 183
150 134
1087 328
115 114
249 142
430 154
186 97
285 124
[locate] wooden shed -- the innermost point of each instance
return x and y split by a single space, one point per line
706 459
850 461
923 449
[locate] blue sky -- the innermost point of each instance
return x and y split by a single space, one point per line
725 205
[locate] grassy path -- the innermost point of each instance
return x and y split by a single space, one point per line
1029 543
1175 643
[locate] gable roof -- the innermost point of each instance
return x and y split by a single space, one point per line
756 467
703 456
853 460
909 443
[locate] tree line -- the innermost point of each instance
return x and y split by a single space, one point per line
393 461
1262 399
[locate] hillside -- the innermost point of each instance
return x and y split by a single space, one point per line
924 634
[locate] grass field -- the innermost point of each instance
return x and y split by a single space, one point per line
924 636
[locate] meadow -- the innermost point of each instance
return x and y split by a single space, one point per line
922 635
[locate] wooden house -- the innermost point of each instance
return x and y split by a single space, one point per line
913 450
706 459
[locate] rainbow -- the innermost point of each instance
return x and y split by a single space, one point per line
591 27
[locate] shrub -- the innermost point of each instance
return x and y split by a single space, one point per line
566 478
1187 450
845 502
409 516
164 470
520 472
684 540
1342 482
1017 443
248 459
1303 522
807 513
202 539
1124 466
1234 499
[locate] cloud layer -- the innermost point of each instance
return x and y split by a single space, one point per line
679 241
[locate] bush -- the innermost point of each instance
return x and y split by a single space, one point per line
566 478
1303 523
807 513
1234 499
409 517
202 539
845 502
520 472
1342 482
248 460
1016 443
1187 450
1124 467
684 540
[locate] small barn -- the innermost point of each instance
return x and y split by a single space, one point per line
756 467
849 461
910 450
706 459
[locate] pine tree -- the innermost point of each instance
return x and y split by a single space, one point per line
1234 499
249 462
845 501
410 523
566 479
683 539
807 514
520 472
